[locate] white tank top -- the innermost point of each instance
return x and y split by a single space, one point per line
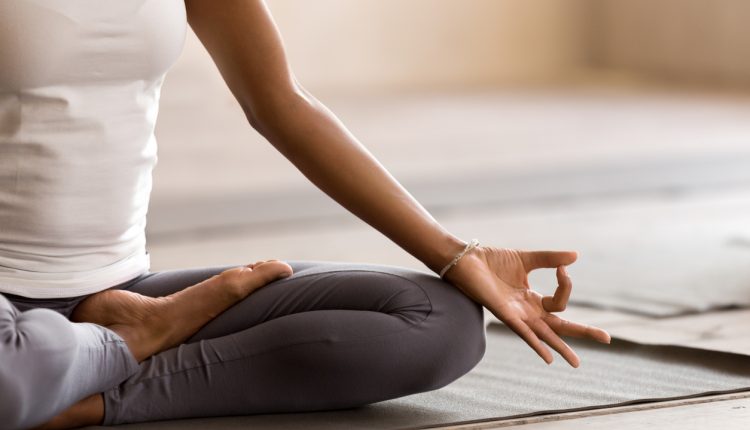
79 93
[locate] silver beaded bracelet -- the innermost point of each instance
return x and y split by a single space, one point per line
471 245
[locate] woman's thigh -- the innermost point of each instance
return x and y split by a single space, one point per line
403 293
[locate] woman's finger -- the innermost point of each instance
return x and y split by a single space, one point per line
564 327
546 334
530 338
559 301
533 260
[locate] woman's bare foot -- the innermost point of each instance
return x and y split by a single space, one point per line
150 325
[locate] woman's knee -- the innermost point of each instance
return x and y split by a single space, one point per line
45 333
447 335
452 336
35 338
37 348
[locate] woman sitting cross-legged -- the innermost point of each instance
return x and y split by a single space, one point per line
89 335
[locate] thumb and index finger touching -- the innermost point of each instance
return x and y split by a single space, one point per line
533 260
558 302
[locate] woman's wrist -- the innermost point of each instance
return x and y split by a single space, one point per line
444 253
470 262
469 246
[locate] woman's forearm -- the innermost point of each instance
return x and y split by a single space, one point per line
321 147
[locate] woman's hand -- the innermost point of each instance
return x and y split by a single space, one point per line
498 279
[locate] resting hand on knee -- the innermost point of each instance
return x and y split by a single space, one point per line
498 279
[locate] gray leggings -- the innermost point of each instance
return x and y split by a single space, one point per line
331 336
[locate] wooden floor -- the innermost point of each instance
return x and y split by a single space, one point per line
726 412
211 160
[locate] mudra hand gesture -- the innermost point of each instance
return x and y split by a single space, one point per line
498 279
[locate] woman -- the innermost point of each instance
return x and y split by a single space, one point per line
79 89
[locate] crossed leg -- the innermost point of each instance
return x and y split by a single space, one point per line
331 336
49 362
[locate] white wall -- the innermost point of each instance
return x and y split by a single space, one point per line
346 44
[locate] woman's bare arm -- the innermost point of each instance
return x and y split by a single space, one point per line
244 42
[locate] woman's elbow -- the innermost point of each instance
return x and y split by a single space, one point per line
273 108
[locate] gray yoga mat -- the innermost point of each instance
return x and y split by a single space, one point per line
511 381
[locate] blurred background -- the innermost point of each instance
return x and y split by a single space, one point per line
616 128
